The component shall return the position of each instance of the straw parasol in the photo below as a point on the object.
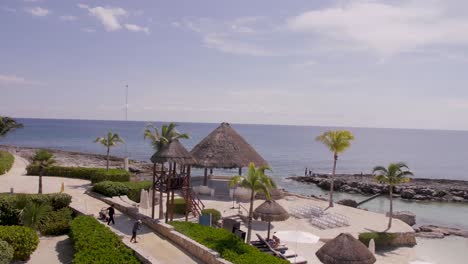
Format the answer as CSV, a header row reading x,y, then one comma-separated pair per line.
x,y
345,249
275,194
225,148
173,152
270,211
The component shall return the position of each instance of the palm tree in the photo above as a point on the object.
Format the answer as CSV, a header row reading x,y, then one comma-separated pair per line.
x,y
158,140
337,141
110,141
43,160
7,125
393,175
256,181
33,214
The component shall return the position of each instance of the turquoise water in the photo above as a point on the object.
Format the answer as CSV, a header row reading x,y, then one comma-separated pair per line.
x,y
289,150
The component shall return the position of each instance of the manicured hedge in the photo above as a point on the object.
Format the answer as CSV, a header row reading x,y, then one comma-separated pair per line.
x,y
180,206
23,239
6,252
92,174
382,240
9,214
95,243
227,244
57,222
6,161
215,214
131,189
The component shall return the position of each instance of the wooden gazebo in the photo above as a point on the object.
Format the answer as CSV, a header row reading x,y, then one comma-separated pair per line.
x,y
176,178
225,148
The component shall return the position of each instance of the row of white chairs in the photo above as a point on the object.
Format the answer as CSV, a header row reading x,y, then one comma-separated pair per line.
x,y
306,211
327,221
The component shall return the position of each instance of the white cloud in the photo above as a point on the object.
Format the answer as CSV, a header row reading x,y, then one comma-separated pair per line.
x,y
223,43
68,18
88,30
109,17
136,28
386,29
38,11
15,80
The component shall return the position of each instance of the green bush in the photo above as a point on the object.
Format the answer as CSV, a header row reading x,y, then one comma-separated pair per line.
x,y
92,174
179,206
95,243
6,161
9,203
382,240
225,243
23,239
131,189
57,223
215,214
6,252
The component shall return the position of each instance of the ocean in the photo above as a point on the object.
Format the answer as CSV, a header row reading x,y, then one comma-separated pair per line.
x,y
288,150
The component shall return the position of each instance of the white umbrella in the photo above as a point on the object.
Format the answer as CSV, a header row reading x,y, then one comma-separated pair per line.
x,y
297,236
144,201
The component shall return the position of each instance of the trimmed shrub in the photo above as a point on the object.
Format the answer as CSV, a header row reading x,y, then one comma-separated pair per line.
x,y
57,223
225,243
179,206
131,189
24,240
92,174
96,243
6,161
9,203
6,252
215,214
382,240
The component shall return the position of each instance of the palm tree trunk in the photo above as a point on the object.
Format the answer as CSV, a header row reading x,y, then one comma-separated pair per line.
x,y
40,180
108,151
332,183
249,223
161,185
390,214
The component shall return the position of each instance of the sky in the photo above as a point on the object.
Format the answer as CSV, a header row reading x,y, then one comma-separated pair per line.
x,y
362,63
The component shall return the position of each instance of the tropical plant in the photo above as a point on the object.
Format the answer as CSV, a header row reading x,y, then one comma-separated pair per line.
x,y
7,125
43,160
256,181
168,133
337,141
394,174
33,214
111,140
158,140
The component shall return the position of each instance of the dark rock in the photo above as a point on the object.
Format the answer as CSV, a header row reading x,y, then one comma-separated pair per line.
x,y
420,197
348,202
430,234
134,169
426,192
457,199
407,217
440,193
324,184
407,194
445,230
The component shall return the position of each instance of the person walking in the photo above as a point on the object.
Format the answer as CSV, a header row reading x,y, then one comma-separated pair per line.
x,y
136,227
111,211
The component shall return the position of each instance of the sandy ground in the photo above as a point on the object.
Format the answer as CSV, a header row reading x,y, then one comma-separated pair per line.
x,y
152,245
53,250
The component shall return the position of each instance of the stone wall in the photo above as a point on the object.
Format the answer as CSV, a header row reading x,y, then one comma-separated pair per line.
x,y
194,248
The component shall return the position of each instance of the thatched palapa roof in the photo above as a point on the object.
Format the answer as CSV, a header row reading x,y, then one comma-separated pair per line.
x,y
173,152
225,148
345,249
270,211
275,194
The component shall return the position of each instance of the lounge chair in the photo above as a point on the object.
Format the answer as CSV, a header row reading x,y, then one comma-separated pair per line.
x,y
286,254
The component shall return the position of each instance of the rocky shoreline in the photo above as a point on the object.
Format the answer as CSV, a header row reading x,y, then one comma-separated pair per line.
x,y
418,189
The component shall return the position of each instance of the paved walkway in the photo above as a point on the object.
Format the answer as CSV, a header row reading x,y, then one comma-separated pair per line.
x,y
150,243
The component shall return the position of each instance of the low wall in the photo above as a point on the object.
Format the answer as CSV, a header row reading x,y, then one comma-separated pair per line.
x,y
194,248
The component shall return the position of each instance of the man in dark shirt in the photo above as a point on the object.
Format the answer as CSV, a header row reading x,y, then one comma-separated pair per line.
x,y
136,227
111,215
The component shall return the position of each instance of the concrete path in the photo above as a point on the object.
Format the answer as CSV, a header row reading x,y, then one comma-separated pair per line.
x,y
149,243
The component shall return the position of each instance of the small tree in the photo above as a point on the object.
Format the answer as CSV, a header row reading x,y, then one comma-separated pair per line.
x,y
7,125
337,142
34,213
43,160
256,181
393,175
111,140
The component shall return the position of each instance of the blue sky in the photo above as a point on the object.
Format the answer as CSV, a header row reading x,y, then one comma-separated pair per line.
x,y
345,63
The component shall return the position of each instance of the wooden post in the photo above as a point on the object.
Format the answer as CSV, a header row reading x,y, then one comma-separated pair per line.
x,y
168,192
154,191
211,171
188,201
172,196
240,171
205,180
161,185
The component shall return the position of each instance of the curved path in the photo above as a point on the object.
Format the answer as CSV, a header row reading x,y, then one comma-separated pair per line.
x,y
150,244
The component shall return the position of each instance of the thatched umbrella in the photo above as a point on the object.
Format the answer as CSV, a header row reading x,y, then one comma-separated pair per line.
x,y
345,249
225,148
270,211
275,194
173,152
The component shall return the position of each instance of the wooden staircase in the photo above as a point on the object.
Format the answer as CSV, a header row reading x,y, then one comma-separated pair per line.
x,y
196,205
